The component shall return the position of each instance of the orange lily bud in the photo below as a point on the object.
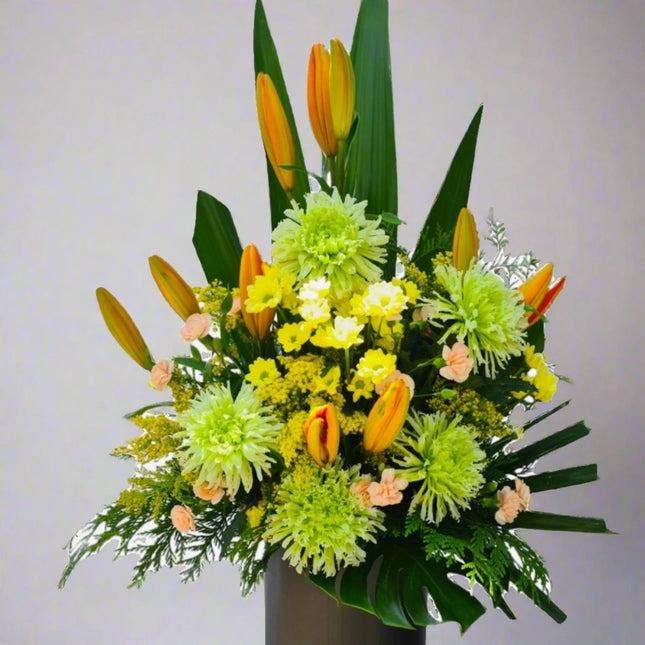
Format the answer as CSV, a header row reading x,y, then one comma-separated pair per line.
x,y
387,416
173,287
547,301
535,288
318,100
123,329
342,90
465,243
275,130
322,434
251,267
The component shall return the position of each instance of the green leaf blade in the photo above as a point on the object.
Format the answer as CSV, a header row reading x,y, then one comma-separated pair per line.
x,y
216,241
555,522
371,160
562,478
438,229
530,454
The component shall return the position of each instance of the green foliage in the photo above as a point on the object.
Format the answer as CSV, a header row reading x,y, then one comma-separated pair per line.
x,y
451,198
216,241
402,573
251,554
139,522
486,554
371,160
513,269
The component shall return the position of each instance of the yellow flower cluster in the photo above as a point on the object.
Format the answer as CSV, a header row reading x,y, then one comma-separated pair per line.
x,y
271,289
544,381
415,275
291,440
184,390
441,259
156,442
255,514
211,297
475,411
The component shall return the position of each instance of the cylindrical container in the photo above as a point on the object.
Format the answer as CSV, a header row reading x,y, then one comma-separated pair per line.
x,y
298,612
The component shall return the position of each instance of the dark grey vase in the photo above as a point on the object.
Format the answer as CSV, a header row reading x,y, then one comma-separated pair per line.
x,y
297,612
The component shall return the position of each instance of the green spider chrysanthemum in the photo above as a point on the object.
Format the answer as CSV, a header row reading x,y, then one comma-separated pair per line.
x,y
446,458
481,312
322,524
228,439
332,238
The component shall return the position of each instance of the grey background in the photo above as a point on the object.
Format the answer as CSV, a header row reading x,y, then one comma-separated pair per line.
x,y
114,113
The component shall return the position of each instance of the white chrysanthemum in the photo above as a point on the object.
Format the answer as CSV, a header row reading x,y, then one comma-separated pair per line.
x,y
331,238
228,439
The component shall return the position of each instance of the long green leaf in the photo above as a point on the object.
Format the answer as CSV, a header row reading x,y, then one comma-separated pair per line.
x,y
266,60
530,454
371,158
216,241
542,600
562,478
545,415
438,230
554,522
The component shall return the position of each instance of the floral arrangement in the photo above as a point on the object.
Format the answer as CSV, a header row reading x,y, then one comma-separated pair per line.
x,y
348,403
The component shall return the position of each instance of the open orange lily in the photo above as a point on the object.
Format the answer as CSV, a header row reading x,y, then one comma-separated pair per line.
x,y
538,295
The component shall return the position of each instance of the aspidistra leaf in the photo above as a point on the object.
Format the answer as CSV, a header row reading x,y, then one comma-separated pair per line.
x,y
216,241
371,158
438,229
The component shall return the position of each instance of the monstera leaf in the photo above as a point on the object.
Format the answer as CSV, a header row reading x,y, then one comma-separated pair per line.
x,y
401,588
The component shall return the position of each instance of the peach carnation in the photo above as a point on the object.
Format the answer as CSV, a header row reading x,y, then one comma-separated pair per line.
x,y
183,519
458,363
160,374
509,505
422,313
388,491
382,385
360,488
524,493
195,326
212,494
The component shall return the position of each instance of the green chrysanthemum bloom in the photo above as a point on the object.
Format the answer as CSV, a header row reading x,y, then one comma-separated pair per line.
x,y
332,238
446,458
227,438
481,312
322,524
